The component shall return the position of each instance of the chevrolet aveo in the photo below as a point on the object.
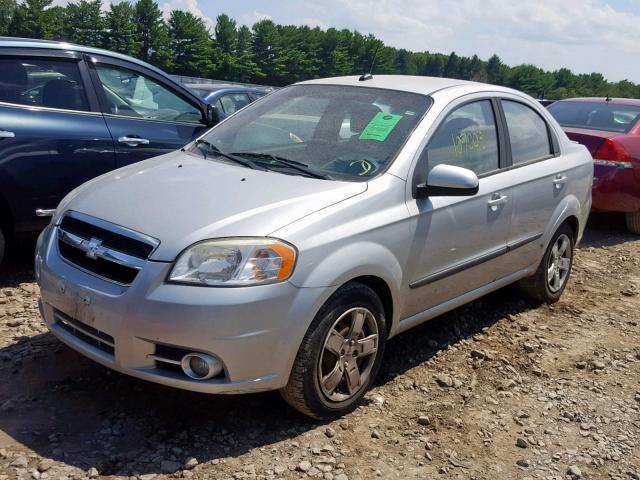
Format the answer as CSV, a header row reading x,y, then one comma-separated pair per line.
x,y
284,247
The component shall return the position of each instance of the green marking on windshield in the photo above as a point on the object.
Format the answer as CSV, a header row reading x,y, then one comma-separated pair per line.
x,y
380,127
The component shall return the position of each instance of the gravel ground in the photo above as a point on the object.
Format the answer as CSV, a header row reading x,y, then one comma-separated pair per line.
x,y
499,389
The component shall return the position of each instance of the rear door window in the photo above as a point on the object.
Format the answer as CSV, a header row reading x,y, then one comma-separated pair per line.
x,y
466,138
528,133
42,83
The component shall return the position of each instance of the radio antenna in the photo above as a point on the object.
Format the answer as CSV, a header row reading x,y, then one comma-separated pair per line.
x,y
368,76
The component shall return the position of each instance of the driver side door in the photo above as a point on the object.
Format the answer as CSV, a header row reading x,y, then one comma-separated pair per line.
x,y
460,242
146,115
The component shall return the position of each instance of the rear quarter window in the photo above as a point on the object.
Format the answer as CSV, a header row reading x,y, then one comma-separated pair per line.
x,y
596,115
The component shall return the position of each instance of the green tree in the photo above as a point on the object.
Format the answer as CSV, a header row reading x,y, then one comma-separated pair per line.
x,y
151,34
245,68
190,44
226,38
30,19
85,23
7,8
495,70
268,52
121,29
452,67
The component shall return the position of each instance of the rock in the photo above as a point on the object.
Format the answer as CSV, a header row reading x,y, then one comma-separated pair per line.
x,y
168,466
581,365
521,442
523,462
424,420
148,476
45,465
20,462
303,466
598,365
444,380
340,476
378,400
15,322
279,469
330,432
574,471
190,463
375,434
93,472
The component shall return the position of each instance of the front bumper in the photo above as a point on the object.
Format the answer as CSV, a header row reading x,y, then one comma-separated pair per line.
x,y
254,331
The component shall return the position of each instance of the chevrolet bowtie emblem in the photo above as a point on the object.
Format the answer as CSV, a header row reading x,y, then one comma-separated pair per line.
x,y
93,247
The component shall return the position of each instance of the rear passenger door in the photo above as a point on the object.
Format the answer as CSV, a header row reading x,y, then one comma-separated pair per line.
x,y
539,179
460,242
52,134
146,114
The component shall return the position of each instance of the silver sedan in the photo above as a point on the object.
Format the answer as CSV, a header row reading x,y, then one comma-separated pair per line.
x,y
283,248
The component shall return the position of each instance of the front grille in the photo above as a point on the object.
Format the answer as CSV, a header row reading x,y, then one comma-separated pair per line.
x,y
86,333
110,239
103,249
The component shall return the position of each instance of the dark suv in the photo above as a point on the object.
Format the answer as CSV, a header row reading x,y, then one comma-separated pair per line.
x,y
70,113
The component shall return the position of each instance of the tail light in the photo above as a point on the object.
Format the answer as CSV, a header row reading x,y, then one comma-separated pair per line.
x,y
612,154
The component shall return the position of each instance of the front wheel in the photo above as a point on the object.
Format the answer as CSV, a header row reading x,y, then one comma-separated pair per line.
x,y
633,222
552,276
340,355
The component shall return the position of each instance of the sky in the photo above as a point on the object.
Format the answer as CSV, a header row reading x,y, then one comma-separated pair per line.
x,y
585,36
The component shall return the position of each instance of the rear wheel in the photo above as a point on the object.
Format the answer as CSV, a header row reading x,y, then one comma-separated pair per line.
x,y
633,222
340,355
552,276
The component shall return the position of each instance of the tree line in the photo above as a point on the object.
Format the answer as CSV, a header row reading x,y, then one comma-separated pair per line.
x,y
269,53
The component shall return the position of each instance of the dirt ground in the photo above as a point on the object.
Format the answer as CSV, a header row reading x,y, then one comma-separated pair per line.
x,y
498,389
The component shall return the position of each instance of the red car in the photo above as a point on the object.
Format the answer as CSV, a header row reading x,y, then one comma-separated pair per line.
x,y
610,129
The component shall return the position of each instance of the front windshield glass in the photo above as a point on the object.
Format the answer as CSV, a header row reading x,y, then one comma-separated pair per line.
x,y
327,131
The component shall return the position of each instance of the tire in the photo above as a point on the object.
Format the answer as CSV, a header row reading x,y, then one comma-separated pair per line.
x,y
633,222
334,330
539,287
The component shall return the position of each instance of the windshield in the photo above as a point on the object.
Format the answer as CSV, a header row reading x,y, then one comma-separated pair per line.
x,y
337,132
596,116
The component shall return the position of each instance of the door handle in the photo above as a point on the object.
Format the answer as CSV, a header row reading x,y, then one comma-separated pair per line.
x,y
133,141
559,181
6,134
496,201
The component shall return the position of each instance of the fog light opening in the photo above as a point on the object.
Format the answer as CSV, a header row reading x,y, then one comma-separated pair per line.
x,y
200,366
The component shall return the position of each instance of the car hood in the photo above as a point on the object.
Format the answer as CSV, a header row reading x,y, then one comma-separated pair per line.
x,y
181,199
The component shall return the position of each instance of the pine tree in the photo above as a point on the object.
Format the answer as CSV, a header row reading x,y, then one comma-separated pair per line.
x,y
121,29
245,69
226,38
30,19
85,23
151,34
268,52
7,8
495,70
190,44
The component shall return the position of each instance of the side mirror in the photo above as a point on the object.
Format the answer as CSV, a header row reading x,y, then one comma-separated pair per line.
x,y
213,116
449,181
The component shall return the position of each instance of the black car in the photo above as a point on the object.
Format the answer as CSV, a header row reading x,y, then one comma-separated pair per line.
x,y
70,113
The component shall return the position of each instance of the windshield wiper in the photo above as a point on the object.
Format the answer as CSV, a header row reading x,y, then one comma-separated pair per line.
x,y
293,164
230,156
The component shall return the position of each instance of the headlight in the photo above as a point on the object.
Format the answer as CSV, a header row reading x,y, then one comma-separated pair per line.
x,y
235,262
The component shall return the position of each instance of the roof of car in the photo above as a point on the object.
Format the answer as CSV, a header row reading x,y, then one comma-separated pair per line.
x,y
15,42
407,83
614,101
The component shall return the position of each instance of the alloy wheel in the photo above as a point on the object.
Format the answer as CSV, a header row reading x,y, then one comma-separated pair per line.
x,y
559,263
348,354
